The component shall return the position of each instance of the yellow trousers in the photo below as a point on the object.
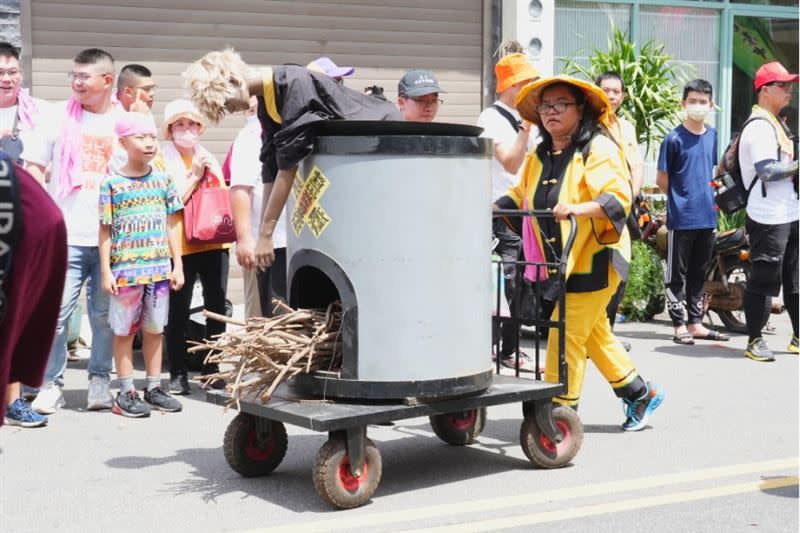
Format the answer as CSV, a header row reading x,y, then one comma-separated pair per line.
x,y
588,332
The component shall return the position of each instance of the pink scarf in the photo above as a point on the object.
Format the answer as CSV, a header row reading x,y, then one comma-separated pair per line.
x,y
70,156
532,249
26,108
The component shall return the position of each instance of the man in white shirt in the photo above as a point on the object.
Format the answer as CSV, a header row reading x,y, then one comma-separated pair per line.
x,y
768,162
513,138
77,145
247,203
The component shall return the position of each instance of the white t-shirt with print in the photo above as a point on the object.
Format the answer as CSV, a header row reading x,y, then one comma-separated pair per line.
x,y
758,143
80,207
246,172
497,127
26,134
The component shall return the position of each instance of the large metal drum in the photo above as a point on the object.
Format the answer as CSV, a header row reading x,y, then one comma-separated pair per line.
x,y
394,220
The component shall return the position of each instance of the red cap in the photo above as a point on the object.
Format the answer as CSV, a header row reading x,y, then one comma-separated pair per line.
x,y
770,72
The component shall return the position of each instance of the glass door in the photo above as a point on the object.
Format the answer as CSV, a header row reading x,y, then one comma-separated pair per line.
x,y
759,40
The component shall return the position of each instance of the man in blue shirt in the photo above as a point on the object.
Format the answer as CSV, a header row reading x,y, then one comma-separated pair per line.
x,y
685,167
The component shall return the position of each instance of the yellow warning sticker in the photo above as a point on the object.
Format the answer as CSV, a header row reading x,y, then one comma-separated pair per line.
x,y
307,210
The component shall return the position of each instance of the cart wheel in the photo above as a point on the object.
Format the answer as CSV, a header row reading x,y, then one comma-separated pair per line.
x,y
242,451
542,451
459,428
334,482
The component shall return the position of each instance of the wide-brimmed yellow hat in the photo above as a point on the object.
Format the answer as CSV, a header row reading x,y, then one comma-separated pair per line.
x,y
530,97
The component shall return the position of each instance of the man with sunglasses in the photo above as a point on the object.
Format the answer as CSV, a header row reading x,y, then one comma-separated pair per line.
x,y
418,95
77,144
768,154
135,88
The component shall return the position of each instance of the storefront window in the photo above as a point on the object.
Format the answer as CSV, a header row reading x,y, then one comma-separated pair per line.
x,y
690,35
767,2
582,26
757,41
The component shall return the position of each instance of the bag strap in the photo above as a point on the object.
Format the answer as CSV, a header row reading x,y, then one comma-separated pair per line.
x,y
508,116
10,219
739,144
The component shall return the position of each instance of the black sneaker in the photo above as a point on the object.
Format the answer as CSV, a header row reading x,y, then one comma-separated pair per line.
x,y
129,404
758,351
179,385
162,401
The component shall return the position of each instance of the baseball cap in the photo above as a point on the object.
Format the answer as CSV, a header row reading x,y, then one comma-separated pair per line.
x,y
773,71
329,68
418,82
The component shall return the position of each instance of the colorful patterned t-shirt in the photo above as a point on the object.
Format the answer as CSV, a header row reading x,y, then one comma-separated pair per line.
x,y
137,209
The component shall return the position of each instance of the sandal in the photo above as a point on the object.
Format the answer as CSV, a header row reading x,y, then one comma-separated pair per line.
x,y
713,336
684,338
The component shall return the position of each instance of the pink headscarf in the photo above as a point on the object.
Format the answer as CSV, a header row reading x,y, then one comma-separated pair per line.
x,y
70,155
135,124
26,108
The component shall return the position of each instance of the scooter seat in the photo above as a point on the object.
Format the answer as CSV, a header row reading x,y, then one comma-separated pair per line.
x,y
729,240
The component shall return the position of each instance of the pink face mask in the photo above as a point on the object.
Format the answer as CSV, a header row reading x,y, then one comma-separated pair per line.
x,y
185,139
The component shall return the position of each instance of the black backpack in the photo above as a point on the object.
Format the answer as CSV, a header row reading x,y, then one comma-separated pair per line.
x,y
10,221
730,194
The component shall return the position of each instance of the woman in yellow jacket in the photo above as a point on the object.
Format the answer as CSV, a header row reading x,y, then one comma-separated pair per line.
x,y
576,170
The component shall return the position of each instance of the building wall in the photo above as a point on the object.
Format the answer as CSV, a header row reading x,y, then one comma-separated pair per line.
x,y
9,22
381,38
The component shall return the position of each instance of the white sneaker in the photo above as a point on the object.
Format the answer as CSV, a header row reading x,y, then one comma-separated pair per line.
x,y
99,397
49,399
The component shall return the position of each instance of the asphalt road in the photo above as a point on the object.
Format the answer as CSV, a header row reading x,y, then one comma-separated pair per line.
x,y
720,455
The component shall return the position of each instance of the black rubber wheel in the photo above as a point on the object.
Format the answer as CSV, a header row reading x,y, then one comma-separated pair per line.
x,y
542,451
459,428
734,321
242,451
333,480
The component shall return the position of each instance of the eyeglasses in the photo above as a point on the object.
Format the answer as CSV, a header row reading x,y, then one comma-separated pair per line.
x,y
11,73
192,126
425,102
785,85
148,89
558,107
82,77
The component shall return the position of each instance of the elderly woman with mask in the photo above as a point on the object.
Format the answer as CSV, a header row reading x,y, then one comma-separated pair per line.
x,y
191,166
577,170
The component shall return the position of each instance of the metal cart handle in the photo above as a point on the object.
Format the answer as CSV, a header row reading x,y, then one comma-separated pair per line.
x,y
573,228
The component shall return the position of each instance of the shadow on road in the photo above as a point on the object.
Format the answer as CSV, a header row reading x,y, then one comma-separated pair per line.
x,y
411,462
792,491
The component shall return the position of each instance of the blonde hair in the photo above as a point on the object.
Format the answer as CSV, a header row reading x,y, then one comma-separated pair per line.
x,y
214,79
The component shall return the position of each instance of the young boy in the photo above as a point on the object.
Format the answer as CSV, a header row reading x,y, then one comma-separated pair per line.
x,y
138,234
685,168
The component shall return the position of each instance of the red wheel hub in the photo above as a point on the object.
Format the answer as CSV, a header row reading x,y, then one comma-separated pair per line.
x,y
464,420
550,446
349,482
254,452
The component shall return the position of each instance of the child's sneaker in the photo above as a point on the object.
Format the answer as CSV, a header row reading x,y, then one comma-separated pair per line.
x,y
129,404
794,346
758,351
20,414
638,411
162,401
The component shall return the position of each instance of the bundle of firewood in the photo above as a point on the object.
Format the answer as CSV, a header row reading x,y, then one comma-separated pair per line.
x,y
255,358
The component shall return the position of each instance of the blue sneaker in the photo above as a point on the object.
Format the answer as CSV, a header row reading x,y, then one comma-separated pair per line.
x,y
638,411
20,414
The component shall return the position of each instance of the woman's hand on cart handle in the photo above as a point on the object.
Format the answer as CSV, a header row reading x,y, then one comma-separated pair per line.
x,y
562,212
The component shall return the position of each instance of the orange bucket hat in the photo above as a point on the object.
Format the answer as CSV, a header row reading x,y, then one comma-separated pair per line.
x,y
512,69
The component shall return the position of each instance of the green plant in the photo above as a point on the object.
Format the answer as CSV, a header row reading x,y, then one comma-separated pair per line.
x,y
644,296
652,80
727,222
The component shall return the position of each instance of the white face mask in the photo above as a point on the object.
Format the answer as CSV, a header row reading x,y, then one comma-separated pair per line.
x,y
697,111
185,139
252,119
